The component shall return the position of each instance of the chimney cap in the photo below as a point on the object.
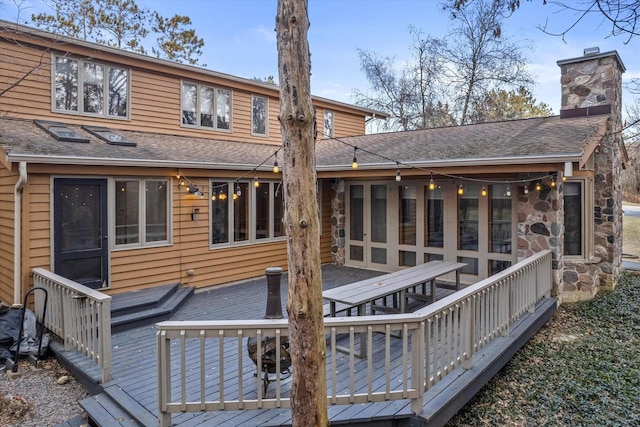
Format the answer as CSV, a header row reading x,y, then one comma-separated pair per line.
x,y
591,51
592,57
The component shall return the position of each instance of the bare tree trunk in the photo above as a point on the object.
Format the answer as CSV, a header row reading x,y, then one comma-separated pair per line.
x,y
307,342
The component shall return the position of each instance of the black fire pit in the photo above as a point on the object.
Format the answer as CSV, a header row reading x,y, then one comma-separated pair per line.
x,y
268,364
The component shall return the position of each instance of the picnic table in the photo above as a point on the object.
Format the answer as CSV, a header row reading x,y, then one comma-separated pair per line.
x,y
396,284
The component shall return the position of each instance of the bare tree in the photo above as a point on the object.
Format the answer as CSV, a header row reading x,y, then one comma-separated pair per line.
x,y
304,306
413,96
480,57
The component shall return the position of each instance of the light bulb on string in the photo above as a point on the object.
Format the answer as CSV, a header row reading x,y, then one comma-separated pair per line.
x,y
354,162
238,191
276,169
398,177
538,186
553,181
256,183
460,190
484,191
526,189
508,193
432,185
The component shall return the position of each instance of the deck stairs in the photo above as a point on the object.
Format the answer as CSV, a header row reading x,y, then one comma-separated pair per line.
x,y
147,306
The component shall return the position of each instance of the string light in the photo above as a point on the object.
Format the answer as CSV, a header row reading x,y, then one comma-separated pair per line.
x,y
508,193
484,191
538,186
432,185
238,191
564,177
460,190
398,177
256,183
553,181
354,162
276,169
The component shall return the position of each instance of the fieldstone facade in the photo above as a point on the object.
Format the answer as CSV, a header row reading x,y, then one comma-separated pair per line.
x,y
593,83
337,222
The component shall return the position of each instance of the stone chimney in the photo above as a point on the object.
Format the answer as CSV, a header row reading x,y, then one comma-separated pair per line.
x,y
591,84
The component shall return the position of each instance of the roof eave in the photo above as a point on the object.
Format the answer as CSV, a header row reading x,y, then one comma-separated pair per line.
x,y
494,161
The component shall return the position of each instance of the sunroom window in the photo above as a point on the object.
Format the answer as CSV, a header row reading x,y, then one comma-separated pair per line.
x,y
243,213
141,212
90,88
206,106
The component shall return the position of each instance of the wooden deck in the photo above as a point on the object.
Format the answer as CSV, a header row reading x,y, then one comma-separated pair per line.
x,y
134,384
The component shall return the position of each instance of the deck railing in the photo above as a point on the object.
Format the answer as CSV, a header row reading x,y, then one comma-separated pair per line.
x,y
204,365
79,315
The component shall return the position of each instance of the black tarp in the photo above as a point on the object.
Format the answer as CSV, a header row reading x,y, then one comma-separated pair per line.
x,y
10,329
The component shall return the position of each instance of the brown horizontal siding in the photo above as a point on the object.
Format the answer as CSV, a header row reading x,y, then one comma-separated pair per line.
x,y
7,183
325,237
39,210
348,124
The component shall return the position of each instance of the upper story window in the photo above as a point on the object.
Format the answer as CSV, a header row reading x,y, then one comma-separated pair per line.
x,y
259,115
328,124
206,106
90,88
141,212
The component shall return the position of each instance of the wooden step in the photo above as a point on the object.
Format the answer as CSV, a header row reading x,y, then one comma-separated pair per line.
x,y
134,301
131,406
151,315
105,412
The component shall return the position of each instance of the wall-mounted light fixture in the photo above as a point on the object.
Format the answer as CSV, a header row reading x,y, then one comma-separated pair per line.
x,y
195,214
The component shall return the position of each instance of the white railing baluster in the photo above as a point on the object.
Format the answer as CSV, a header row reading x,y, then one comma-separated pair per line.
x,y
435,341
80,316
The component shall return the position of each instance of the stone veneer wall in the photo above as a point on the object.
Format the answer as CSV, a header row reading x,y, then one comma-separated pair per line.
x,y
541,225
337,222
589,82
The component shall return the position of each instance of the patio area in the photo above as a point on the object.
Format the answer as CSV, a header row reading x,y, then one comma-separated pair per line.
x,y
131,397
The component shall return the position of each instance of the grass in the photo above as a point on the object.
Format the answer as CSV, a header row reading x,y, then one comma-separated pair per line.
x,y
631,236
582,368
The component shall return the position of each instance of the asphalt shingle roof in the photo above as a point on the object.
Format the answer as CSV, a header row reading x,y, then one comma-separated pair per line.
x,y
530,138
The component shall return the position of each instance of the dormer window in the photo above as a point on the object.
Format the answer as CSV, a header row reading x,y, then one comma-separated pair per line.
x,y
206,106
89,88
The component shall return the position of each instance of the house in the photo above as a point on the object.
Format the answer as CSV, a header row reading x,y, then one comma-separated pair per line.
x,y
122,172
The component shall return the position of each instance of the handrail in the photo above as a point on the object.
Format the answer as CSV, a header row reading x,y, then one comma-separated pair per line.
x,y
79,315
203,365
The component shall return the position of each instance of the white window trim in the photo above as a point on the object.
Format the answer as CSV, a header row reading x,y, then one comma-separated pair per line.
x,y
215,105
266,117
142,243
80,88
252,240
333,124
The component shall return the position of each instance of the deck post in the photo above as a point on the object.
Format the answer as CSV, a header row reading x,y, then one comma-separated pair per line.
x,y
164,379
418,367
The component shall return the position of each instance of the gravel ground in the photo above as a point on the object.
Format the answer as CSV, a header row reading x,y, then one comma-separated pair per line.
x,y
36,399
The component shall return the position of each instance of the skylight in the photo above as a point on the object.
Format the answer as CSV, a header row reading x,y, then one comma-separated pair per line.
x,y
60,131
107,135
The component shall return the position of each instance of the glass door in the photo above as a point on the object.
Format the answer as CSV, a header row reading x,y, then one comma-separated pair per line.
x,y
366,244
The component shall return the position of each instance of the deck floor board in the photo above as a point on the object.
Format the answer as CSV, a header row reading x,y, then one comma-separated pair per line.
x,y
134,358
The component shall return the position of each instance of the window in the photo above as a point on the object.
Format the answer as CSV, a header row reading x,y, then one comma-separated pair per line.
x,y
407,215
141,212
434,199
206,107
573,230
259,114
90,88
243,213
468,219
328,124
499,219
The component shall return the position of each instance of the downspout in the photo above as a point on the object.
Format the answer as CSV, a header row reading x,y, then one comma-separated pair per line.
x,y
17,235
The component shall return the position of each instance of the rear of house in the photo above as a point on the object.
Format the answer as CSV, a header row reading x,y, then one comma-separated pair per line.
x,y
122,172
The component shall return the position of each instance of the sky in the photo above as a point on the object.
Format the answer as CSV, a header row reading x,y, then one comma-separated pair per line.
x,y
240,38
